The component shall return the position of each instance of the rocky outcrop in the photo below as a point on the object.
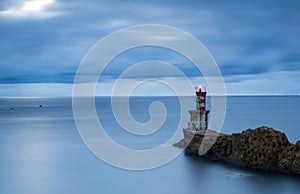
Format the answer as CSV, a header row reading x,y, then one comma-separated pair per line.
x,y
263,148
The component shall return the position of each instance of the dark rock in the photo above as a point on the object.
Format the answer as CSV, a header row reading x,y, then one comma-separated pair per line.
x,y
263,148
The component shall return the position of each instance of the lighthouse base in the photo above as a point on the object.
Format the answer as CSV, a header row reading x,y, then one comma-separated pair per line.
x,y
191,135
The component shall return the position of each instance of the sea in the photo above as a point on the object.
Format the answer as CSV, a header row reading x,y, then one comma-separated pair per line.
x,y
42,152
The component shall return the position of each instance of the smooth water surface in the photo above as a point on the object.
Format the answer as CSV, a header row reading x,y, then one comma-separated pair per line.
x,y
42,152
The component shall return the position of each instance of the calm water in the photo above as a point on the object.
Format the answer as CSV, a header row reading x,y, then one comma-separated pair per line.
x,y
42,152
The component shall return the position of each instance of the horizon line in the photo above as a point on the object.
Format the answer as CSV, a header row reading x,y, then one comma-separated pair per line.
x,y
229,95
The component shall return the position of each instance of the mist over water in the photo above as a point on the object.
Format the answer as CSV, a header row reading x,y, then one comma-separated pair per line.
x,y
42,152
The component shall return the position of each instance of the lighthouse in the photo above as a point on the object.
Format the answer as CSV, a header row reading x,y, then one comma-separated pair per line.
x,y
199,117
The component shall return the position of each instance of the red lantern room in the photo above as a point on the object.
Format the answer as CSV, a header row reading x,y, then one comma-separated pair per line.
x,y
201,98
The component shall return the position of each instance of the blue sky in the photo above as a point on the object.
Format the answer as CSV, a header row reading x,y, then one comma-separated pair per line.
x,y
255,43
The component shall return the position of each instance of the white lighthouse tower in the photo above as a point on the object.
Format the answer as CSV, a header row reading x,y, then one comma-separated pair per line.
x,y
199,118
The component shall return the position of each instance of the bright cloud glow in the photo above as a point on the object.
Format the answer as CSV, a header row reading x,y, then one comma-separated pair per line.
x,y
31,8
36,5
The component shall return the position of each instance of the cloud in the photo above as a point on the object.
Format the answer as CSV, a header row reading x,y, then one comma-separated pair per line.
x,y
272,83
35,89
32,9
247,39
269,83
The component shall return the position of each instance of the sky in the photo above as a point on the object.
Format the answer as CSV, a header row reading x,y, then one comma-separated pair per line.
x,y
255,43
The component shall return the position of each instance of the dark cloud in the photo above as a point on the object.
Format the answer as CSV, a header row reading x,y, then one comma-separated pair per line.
x,y
245,37
238,69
